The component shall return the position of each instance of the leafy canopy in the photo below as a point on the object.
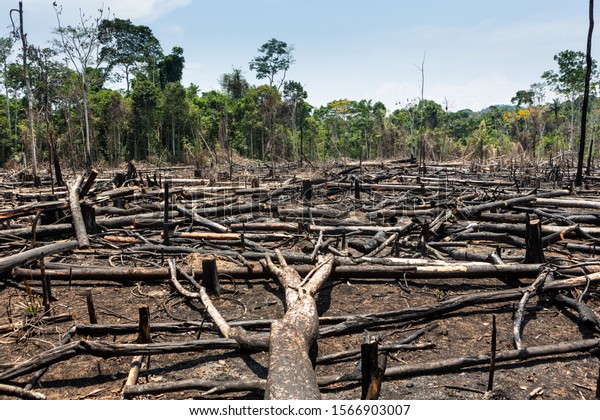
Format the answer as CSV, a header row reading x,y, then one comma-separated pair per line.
x,y
276,57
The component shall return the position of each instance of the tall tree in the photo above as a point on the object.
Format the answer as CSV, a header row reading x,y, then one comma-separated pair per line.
x,y
47,75
24,54
80,44
586,98
171,67
145,98
276,57
294,96
127,46
569,82
234,84
175,110
6,45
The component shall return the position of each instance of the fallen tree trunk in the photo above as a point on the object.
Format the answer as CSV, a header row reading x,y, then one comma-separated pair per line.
x,y
396,372
105,349
12,261
291,373
360,322
256,271
210,386
455,364
15,391
202,221
257,342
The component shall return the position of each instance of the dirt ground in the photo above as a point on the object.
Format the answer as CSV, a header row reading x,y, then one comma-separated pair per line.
x,y
465,332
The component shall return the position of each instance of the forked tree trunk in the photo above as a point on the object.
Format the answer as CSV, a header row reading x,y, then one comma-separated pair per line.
x,y
291,373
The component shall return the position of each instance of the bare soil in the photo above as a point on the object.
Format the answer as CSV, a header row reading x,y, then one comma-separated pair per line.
x,y
466,332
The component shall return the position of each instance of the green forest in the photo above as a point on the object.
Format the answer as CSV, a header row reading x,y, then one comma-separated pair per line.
x,y
59,102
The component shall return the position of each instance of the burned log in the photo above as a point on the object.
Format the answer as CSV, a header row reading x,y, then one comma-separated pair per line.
x,y
26,257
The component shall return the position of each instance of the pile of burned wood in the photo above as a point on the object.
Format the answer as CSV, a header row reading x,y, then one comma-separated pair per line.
x,y
383,222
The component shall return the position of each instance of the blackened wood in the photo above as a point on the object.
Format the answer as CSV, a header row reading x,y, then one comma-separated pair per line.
x,y
490,385
372,375
213,386
361,322
87,185
109,349
38,375
46,287
166,230
308,212
234,209
144,324
89,299
210,277
367,271
28,209
589,64
598,385
458,363
50,216
54,157
534,253
307,190
357,189
88,213
587,315
370,245
469,211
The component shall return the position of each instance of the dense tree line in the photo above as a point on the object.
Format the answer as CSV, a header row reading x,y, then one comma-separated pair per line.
x,y
77,115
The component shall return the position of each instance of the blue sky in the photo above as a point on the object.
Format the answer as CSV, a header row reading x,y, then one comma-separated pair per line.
x,y
477,53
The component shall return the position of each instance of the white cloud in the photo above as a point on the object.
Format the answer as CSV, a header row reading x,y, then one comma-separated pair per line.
x,y
139,11
490,89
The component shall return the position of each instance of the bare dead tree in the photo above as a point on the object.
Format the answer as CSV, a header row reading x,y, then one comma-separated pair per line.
x,y
586,98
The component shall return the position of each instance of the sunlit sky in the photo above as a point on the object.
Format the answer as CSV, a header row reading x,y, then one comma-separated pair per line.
x,y
476,53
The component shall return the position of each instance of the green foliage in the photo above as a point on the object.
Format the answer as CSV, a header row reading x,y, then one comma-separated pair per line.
x,y
157,119
171,67
276,58
127,46
570,78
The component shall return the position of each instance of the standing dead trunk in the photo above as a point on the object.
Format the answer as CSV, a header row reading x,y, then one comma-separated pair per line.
x,y
76,215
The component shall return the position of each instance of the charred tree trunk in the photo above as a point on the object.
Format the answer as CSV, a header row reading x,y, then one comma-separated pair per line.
x,y
586,97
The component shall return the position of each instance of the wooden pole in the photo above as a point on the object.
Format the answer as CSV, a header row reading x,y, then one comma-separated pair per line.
x,y
371,380
166,239
307,190
91,308
598,386
490,386
144,324
210,278
46,291
87,185
535,249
